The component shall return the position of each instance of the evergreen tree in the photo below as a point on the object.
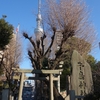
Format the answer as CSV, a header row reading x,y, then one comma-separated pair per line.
x,y
6,31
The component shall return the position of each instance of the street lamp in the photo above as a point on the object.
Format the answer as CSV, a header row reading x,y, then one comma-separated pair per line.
x,y
61,64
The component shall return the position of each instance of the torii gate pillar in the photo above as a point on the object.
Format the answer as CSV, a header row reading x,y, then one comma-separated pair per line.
x,y
21,87
51,87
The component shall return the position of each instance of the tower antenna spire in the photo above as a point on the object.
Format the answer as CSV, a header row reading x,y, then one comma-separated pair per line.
x,y
38,30
39,6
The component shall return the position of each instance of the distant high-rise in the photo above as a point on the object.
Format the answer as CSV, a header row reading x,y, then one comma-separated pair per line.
x,y
39,30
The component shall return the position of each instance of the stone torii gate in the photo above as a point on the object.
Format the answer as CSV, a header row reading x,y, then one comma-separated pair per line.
x,y
51,78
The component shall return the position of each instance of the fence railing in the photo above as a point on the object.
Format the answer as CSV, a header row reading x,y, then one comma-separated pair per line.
x,y
72,96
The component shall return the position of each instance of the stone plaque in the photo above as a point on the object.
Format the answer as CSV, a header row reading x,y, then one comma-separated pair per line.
x,y
81,78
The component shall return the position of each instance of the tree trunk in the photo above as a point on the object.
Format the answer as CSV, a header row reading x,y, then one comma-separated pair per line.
x,y
57,95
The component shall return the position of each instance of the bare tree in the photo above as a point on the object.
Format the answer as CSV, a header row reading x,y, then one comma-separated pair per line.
x,y
10,58
70,17
78,44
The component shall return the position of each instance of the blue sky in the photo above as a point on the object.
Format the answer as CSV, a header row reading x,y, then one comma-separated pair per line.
x,y
94,7
23,12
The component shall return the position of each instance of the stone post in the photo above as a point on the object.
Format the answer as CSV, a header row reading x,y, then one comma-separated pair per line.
x,y
72,94
58,83
5,95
